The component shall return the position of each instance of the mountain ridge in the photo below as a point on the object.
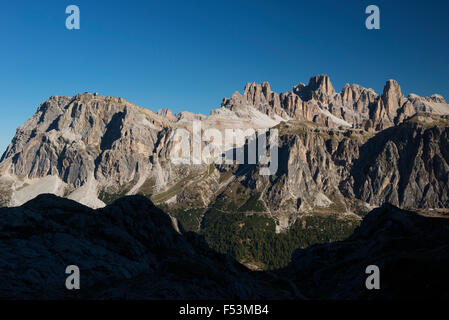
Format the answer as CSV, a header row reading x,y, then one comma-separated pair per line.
x,y
128,250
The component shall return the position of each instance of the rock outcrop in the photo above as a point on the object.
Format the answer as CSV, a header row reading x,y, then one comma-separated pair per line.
x,y
409,249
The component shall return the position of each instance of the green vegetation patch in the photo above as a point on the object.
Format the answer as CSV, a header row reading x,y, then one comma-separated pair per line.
x,y
252,238
190,219
253,204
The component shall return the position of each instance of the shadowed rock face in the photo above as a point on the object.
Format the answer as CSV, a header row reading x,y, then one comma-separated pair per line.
x,y
353,171
132,250
411,251
407,165
129,249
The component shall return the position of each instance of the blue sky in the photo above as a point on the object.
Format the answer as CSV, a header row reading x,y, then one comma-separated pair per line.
x,y
190,54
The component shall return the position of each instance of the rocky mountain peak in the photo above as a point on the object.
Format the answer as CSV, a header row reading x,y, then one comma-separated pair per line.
x,y
391,108
392,95
437,98
257,94
392,85
319,88
167,114
354,93
317,101
164,112
321,83
266,89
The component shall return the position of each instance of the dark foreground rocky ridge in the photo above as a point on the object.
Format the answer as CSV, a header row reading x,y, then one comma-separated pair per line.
x,y
133,250
410,249
129,250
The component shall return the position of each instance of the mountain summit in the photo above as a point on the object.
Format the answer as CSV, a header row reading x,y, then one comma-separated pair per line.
x,y
354,106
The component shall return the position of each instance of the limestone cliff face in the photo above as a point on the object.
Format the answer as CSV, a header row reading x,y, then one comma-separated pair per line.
x,y
72,138
351,171
407,165
88,143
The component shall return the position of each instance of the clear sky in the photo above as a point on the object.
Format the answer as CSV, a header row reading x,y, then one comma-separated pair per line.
x,y
190,54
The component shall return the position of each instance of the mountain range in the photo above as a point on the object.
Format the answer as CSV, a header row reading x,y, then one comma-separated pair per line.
x,y
341,154
354,143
